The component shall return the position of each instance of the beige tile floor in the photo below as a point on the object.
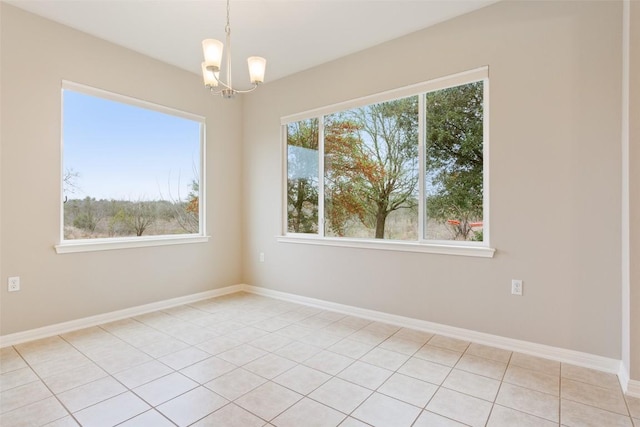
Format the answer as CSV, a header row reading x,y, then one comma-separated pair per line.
x,y
245,360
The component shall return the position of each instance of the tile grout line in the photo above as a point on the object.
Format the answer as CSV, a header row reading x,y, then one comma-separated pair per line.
x,y
108,375
273,352
111,375
495,399
267,379
41,379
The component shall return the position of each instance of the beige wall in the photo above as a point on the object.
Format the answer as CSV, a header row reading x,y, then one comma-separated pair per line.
x,y
555,103
555,179
634,187
36,55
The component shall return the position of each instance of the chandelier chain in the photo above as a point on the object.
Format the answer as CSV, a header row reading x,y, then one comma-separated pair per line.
x,y
227,28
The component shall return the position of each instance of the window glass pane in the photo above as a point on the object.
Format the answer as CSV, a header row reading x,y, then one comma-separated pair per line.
x,y
454,161
371,171
302,176
128,171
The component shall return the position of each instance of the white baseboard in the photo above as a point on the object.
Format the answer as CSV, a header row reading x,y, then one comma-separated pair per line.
x,y
587,360
633,388
62,328
623,377
548,352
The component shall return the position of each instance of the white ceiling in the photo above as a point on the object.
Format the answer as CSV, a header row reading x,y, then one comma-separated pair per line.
x,y
292,34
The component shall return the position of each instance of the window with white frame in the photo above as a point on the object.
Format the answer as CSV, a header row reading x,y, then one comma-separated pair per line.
x,y
404,166
130,169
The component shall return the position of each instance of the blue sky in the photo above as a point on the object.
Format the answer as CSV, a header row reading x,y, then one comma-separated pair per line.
x,y
125,152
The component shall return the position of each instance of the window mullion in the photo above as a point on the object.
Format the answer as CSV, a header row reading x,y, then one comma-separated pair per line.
x,y
202,197
285,177
321,174
485,161
422,123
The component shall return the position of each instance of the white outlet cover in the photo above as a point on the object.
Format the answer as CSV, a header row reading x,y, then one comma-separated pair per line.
x,y
516,287
13,284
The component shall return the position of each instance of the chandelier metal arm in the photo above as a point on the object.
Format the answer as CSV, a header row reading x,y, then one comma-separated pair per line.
x,y
228,91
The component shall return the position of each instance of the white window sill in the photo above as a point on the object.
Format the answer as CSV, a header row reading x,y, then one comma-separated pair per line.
x,y
394,245
90,245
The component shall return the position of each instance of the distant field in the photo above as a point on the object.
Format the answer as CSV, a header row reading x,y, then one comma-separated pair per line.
x,y
93,219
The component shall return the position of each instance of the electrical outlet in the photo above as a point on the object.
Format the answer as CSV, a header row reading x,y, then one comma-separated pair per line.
x,y
261,256
516,287
13,284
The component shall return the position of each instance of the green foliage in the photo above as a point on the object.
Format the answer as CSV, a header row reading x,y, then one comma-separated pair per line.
x,y
86,222
86,219
454,159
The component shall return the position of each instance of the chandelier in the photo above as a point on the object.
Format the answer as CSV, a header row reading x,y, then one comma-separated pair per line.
x,y
212,63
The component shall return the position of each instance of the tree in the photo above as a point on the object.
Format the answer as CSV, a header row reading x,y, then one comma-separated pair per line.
x,y
454,158
116,225
193,203
302,176
86,219
69,182
136,216
371,162
187,213
345,162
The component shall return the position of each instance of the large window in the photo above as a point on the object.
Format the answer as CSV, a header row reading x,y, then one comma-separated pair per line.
x,y
130,169
409,166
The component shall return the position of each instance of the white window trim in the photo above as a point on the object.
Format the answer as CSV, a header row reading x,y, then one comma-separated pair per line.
x,y
91,245
439,83
473,249
112,96
433,247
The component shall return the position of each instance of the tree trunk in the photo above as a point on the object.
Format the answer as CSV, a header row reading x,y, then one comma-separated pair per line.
x,y
298,207
381,219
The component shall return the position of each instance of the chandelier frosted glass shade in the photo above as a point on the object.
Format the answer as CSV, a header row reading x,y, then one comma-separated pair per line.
x,y
212,50
257,66
210,77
